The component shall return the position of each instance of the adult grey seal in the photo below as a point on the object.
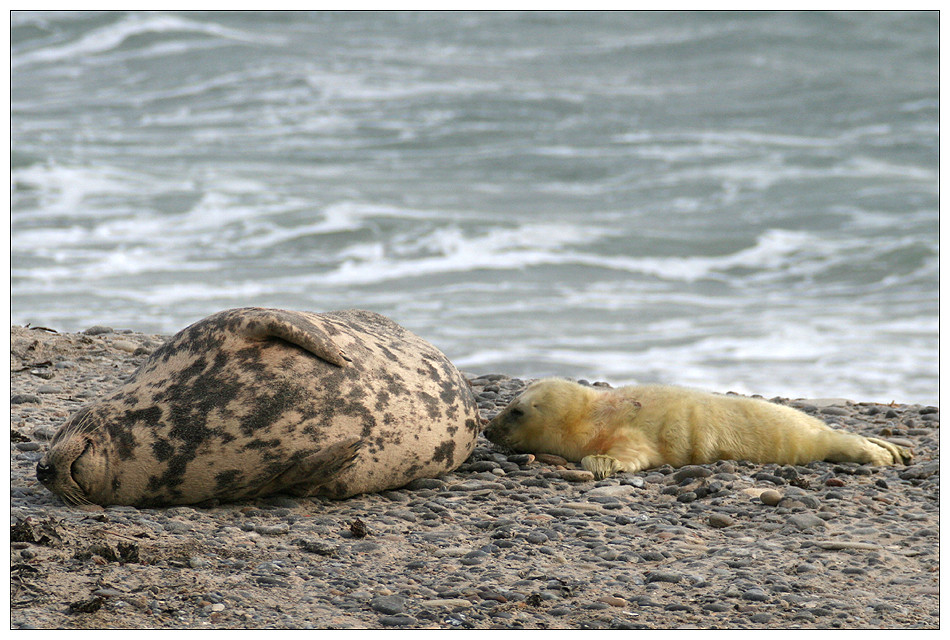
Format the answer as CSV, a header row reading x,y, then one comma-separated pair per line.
x,y
249,402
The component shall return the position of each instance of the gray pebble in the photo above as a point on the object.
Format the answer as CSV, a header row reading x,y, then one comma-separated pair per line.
x,y
663,576
691,471
473,558
272,530
633,481
425,483
177,526
835,411
24,398
755,594
920,470
391,604
720,520
611,491
97,330
805,521
483,465
269,580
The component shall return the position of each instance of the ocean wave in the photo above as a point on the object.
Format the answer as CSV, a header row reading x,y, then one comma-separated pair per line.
x,y
113,36
62,190
451,250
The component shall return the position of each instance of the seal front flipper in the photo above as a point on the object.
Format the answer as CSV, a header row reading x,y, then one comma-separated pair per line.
x,y
308,474
601,466
295,328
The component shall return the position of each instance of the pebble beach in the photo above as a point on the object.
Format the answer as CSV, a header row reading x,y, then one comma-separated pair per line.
x,y
506,541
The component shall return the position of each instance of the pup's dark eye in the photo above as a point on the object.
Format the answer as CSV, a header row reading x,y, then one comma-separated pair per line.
x,y
517,413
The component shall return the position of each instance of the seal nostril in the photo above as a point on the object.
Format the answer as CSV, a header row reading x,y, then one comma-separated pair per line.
x,y
44,472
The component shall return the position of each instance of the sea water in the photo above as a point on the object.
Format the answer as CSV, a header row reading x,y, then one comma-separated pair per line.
x,y
737,201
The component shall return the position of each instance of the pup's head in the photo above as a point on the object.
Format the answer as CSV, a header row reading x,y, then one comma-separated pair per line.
x,y
548,417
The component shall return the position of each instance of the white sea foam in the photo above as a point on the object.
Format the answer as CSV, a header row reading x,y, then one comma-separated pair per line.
x,y
64,189
450,250
111,36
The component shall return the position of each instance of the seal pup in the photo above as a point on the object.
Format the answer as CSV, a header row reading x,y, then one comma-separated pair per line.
x,y
640,427
249,402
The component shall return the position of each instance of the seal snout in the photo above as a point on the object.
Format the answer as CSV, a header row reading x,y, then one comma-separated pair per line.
x,y
45,472
498,430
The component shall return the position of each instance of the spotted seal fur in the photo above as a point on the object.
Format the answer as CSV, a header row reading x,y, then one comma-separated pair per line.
x,y
640,427
249,402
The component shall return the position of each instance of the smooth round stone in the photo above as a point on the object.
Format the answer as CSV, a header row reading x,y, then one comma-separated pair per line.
x,y
452,603
401,620
388,604
663,576
25,398
770,497
691,471
611,491
756,595
97,329
125,345
576,475
805,521
720,520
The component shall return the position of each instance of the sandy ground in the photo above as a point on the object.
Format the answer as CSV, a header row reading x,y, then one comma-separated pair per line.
x,y
503,542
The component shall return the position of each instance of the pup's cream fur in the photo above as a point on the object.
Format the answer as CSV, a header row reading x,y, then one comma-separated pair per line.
x,y
634,428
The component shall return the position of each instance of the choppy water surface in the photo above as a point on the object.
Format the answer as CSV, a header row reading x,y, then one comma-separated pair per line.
x,y
731,201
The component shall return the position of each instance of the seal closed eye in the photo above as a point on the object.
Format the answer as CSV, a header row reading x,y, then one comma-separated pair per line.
x,y
75,472
249,402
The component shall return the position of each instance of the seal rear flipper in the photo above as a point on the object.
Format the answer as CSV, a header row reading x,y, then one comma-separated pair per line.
x,y
306,475
295,328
